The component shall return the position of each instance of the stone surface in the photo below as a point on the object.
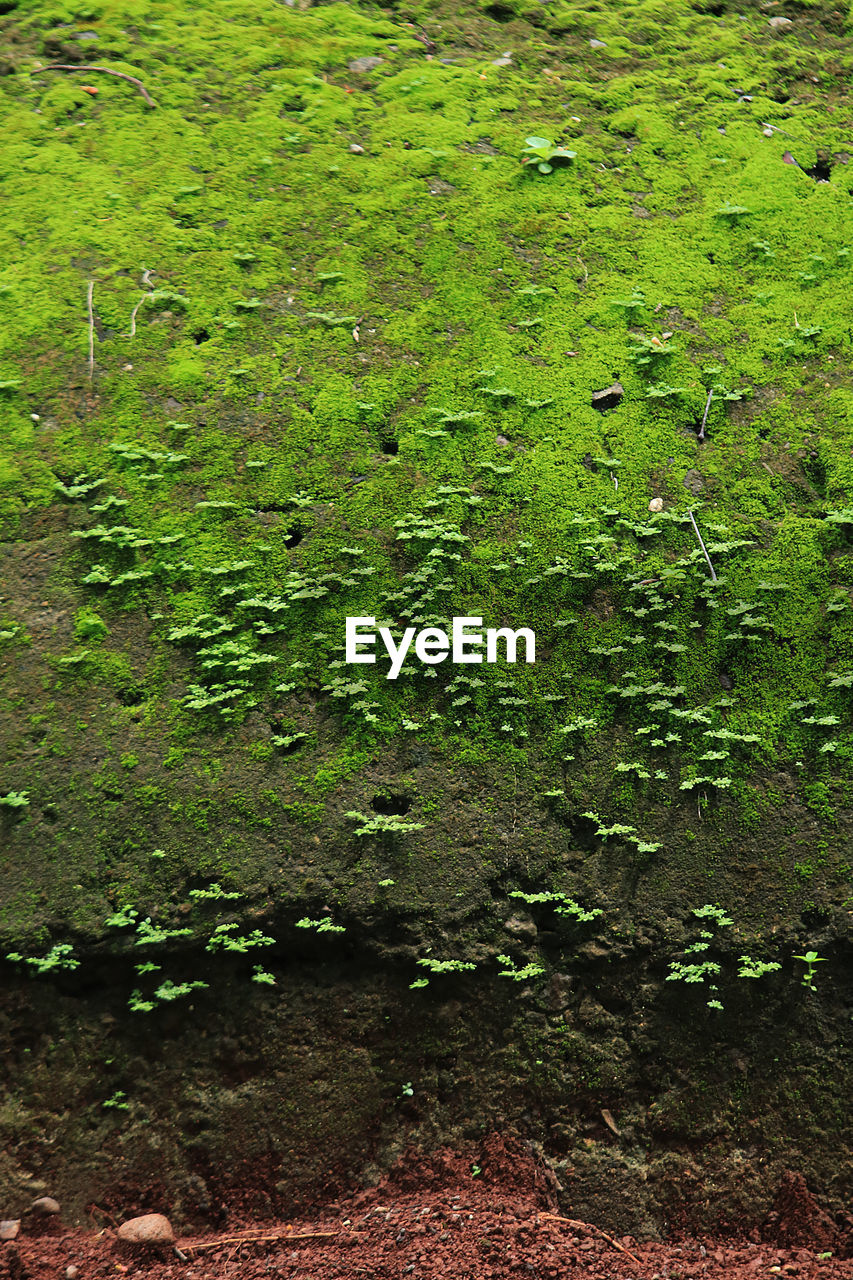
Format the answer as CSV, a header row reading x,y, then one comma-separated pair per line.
x,y
780,24
693,481
608,397
656,504
364,64
9,1228
150,1229
45,1206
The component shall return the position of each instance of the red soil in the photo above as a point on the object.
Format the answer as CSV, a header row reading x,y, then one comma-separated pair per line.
x,y
431,1219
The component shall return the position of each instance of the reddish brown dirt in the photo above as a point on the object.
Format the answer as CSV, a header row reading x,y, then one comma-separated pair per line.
x,y
437,1218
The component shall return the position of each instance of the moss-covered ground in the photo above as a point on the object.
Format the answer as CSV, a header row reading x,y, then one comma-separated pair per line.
x,y
302,338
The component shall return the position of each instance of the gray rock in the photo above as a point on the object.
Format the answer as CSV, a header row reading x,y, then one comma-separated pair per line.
x,y
149,1229
356,149
693,482
364,64
521,927
559,992
505,61
598,44
779,24
608,397
45,1206
9,1228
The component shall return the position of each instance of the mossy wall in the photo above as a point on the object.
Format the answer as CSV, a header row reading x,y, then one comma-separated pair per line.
x,y
341,360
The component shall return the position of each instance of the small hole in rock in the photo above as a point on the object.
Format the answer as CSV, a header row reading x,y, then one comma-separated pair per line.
x,y
821,170
391,805
131,695
499,12
391,447
293,536
200,336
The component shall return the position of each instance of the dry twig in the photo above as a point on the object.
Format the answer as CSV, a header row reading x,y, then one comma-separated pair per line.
x,y
188,1247
107,71
588,1226
702,545
89,293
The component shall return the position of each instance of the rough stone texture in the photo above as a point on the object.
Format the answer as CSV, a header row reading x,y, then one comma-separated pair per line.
x,y
148,1229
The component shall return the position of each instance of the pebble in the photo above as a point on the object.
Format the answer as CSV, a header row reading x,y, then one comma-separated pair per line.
x,y
598,44
150,1228
45,1206
608,397
364,64
9,1228
504,61
780,24
656,504
72,1272
356,149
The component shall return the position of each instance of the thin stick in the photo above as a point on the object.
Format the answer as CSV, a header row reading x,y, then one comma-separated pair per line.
x,y
280,1235
702,545
146,284
107,71
701,435
589,1226
89,292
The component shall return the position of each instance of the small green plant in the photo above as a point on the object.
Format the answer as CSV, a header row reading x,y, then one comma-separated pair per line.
x,y
15,800
263,976
380,824
510,970
224,938
60,956
811,959
542,152
324,925
116,1102
214,893
750,968
732,213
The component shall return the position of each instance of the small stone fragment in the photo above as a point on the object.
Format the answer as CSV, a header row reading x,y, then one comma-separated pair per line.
x,y
150,1228
45,1206
608,397
72,1272
356,149
780,24
504,61
364,64
521,927
598,44
768,132
9,1228
656,504
693,481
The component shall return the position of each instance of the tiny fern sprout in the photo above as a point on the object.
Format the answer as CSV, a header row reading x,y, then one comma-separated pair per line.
x,y
324,925
750,968
518,975
381,824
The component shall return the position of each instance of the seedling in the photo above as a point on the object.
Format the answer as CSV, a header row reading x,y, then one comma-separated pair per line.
x,y
811,959
541,152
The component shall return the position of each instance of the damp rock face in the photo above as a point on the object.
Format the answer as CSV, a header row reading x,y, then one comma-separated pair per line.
x,y
149,1229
